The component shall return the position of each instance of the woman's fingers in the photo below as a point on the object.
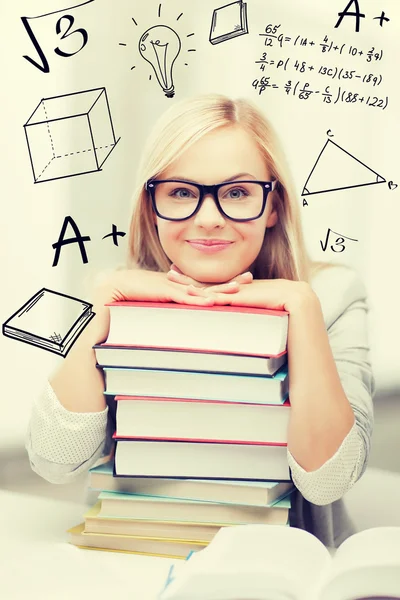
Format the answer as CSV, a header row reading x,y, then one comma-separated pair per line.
x,y
180,293
217,298
194,290
173,267
185,297
183,279
226,288
244,277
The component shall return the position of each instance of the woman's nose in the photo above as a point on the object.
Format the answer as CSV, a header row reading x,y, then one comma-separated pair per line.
x,y
209,213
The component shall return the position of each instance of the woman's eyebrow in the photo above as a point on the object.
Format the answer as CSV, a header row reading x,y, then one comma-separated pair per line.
x,y
232,178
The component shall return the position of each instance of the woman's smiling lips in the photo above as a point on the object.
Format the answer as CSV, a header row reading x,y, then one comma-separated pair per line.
x,y
209,245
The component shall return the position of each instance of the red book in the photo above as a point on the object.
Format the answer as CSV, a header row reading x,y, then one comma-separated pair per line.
x,y
232,329
201,420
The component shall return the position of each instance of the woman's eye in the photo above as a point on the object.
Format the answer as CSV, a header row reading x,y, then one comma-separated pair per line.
x,y
236,193
182,193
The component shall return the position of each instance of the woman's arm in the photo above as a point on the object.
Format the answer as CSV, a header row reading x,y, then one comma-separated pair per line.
x,y
321,414
62,444
78,383
348,338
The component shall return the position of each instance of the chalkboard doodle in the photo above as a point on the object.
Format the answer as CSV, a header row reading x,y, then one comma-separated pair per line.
x,y
79,239
50,320
353,11
228,21
318,67
336,169
68,38
160,46
69,135
339,243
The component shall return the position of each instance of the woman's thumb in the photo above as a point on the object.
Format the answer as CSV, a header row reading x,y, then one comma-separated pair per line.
x,y
175,268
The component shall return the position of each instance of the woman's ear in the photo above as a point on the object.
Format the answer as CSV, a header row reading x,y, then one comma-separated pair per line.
x,y
272,219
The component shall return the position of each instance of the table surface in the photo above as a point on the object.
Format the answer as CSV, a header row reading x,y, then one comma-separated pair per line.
x,y
36,560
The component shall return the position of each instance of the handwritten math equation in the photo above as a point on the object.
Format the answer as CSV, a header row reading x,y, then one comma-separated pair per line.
x,y
318,67
64,29
303,91
337,241
333,72
273,37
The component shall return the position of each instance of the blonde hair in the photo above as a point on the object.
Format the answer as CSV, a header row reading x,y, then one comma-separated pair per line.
x,y
283,253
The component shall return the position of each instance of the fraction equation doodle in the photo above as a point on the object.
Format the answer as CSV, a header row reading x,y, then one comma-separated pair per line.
x,y
271,34
304,67
355,69
303,91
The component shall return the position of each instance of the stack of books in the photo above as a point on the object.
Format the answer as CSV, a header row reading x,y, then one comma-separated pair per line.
x,y
201,427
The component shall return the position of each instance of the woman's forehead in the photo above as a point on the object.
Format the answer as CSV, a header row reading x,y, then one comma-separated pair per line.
x,y
218,155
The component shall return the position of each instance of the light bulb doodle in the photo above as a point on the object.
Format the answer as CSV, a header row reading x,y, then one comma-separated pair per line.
x,y
160,46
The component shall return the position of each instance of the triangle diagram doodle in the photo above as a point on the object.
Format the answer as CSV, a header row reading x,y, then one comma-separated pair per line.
x,y
336,169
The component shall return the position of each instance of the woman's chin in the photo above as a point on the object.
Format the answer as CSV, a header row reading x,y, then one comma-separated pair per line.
x,y
211,278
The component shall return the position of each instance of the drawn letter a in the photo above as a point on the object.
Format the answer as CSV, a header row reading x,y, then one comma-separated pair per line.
x,y
346,13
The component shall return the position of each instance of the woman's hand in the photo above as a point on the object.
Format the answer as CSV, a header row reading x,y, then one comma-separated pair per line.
x,y
228,287
277,294
138,285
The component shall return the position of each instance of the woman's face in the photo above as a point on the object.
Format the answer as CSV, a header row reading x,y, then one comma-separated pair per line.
x,y
226,154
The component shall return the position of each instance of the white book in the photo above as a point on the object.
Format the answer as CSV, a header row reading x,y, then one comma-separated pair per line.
x,y
197,460
263,562
132,506
201,420
256,493
109,355
224,387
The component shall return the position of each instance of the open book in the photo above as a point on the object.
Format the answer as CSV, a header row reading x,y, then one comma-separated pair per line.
x,y
268,562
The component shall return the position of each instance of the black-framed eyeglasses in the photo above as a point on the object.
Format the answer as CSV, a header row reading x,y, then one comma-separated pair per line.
x,y
178,200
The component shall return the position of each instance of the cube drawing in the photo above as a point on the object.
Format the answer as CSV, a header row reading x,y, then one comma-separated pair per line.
x,y
70,135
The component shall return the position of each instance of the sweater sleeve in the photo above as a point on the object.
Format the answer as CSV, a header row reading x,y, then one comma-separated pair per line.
x,y
348,337
60,443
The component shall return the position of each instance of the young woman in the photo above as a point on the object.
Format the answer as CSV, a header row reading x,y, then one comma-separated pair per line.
x,y
216,221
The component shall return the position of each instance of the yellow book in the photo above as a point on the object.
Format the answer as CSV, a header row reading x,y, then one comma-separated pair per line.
x,y
153,546
182,530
